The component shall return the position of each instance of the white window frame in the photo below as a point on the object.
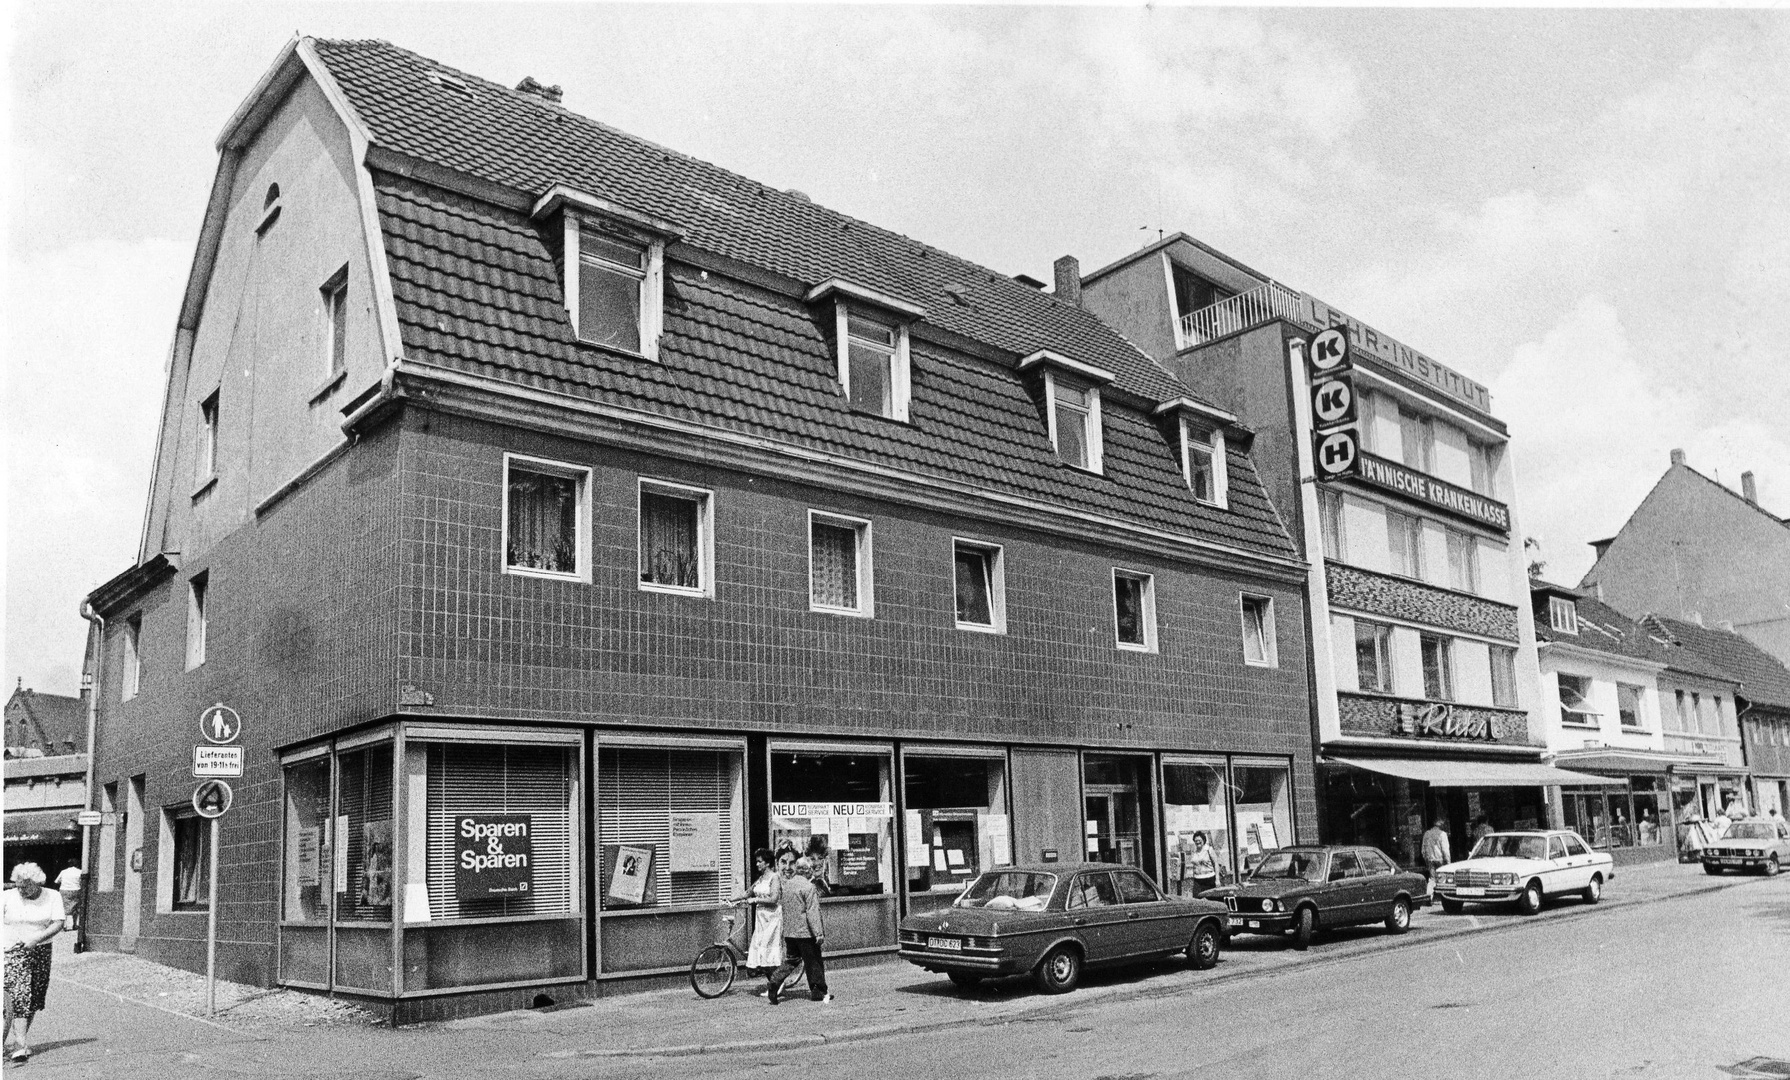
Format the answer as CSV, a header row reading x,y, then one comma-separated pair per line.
x,y
652,279
1146,614
1468,545
1509,654
1563,615
866,608
130,674
1596,718
705,536
1640,693
900,363
1269,639
335,310
167,857
1383,656
1424,427
578,474
995,555
1413,529
1331,531
1213,449
198,617
205,459
1444,666
1094,440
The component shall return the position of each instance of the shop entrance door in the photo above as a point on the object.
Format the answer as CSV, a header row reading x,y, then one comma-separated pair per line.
x,y
1113,835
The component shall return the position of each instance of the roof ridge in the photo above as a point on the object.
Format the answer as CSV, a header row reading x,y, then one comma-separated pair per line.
x,y
1773,518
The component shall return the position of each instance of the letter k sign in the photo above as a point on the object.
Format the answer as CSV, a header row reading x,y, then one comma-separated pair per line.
x,y
1329,350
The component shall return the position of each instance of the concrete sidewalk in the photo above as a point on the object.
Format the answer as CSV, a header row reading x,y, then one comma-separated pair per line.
x,y
115,1015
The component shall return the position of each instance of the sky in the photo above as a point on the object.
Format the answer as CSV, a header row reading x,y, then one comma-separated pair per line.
x,y
1586,211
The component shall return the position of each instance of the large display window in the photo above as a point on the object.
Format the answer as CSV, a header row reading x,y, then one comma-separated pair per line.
x,y
834,803
1615,818
1196,824
955,822
1262,814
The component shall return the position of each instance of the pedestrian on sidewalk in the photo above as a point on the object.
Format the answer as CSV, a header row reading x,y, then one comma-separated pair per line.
x,y
68,883
765,954
1203,865
803,931
1435,849
30,915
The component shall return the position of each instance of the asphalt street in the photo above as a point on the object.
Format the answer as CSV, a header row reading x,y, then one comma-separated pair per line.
x,y
1689,986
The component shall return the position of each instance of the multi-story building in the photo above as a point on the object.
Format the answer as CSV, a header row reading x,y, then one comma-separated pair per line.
x,y
1398,480
1695,550
564,518
46,778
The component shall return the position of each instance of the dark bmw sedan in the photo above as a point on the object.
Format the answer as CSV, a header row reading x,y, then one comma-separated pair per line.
x,y
1052,920
1307,889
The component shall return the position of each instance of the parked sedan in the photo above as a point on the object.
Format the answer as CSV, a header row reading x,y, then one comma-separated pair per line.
x,y
1305,889
1052,920
1524,868
1757,844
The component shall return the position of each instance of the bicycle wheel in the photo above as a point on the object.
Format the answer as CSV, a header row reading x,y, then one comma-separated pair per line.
x,y
796,978
711,973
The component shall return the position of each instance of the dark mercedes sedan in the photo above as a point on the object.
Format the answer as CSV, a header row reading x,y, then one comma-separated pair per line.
x,y
1052,920
1307,889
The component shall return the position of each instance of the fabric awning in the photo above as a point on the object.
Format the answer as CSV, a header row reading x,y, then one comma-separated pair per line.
x,y
1638,762
42,826
1454,773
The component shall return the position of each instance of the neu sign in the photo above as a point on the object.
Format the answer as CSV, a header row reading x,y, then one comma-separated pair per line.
x,y
1440,719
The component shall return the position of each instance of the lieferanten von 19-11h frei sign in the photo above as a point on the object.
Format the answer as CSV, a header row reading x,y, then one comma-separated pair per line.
x,y
493,855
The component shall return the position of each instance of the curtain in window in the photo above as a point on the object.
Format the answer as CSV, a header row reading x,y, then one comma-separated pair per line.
x,y
543,524
192,862
1199,470
834,551
1436,680
669,554
1072,426
870,378
1504,677
1370,657
1128,607
972,588
1255,636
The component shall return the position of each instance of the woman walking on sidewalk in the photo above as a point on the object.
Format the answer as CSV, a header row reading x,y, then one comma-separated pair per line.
x,y
32,916
765,954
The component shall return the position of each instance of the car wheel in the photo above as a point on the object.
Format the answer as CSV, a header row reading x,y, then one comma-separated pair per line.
x,y
1400,919
1452,907
1059,971
1202,951
964,980
1712,871
1771,866
1529,903
1305,927
1594,889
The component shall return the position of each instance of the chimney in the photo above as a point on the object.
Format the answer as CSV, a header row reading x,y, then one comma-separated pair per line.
x,y
1069,280
1748,489
1678,457
531,85
1727,624
1697,617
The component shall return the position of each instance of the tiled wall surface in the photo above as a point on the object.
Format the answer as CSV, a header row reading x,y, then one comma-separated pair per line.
x,y
1380,594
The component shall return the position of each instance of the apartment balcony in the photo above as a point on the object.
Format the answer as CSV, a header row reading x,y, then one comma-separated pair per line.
x,y
1260,305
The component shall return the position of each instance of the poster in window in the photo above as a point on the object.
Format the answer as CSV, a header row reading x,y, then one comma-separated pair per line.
x,y
307,854
859,865
376,863
339,836
996,839
629,872
695,842
493,855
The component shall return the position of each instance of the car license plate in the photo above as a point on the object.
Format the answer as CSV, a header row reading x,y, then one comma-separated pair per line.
x,y
950,944
1472,890
1254,925
1732,862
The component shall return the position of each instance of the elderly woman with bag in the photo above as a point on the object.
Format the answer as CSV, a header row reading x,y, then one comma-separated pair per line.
x,y
33,915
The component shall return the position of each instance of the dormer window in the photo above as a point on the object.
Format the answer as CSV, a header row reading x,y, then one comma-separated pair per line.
x,y
870,331
1203,464
614,266
1563,615
1072,391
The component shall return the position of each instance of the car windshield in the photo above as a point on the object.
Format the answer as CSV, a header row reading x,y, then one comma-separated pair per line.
x,y
1751,830
1009,890
1502,846
1293,865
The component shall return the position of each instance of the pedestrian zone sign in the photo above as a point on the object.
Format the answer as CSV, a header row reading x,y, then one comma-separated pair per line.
x,y
220,724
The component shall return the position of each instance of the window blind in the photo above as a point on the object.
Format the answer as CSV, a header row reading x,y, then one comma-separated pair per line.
x,y
488,779
638,788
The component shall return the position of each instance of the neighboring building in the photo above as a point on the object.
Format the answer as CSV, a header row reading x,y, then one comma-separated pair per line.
x,y
1425,680
598,515
1695,550
1762,712
1611,687
46,778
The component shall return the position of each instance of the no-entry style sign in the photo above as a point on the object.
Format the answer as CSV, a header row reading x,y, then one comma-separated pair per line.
x,y
212,798
220,724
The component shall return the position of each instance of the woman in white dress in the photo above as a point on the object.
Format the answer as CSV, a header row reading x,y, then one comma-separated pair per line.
x,y
765,954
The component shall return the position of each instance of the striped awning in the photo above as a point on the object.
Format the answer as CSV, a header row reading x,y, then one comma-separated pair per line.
x,y
42,826
1448,772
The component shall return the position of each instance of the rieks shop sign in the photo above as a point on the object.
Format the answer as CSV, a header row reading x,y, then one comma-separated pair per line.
x,y
493,855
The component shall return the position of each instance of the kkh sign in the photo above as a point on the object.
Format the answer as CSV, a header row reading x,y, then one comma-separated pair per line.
x,y
1440,719
493,855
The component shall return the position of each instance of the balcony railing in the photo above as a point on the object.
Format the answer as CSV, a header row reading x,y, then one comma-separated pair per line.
x,y
1262,304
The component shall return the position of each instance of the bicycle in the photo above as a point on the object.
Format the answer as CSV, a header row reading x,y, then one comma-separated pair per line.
x,y
713,971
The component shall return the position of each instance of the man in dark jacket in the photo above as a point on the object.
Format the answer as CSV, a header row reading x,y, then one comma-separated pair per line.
x,y
803,931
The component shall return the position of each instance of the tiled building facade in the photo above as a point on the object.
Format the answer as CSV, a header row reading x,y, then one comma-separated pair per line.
x,y
584,517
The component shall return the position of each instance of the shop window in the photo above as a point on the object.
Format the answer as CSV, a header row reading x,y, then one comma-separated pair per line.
x,y
198,597
1373,656
836,809
499,828
1438,666
1504,676
1330,524
1463,561
676,539
544,517
130,671
1628,705
1404,544
839,574
306,875
981,586
361,837
186,861
1575,701
956,823
1260,648
1134,610
1263,813
669,825
1563,615
1196,824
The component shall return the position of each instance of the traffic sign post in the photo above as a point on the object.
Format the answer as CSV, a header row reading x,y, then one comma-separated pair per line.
x,y
212,799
